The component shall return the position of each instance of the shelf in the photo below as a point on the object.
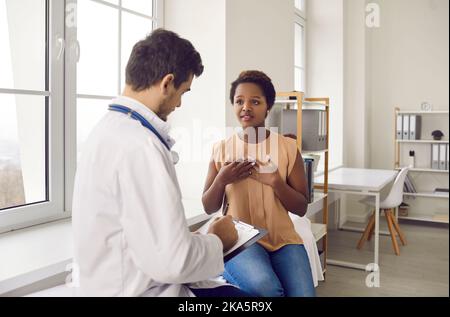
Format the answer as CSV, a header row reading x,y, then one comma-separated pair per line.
x,y
278,101
319,230
433,219
307,106
314,152
430,170
423,141
314,104
437,112
283,101
428,195
316,205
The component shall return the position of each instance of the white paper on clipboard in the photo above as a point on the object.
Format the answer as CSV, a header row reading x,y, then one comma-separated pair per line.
x,y
245,233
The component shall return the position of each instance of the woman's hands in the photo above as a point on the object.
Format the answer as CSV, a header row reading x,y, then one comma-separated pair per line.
x,y
235,171
267,173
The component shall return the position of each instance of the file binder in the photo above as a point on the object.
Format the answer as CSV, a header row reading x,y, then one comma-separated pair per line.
x,y
447,167
415,125
405,127
309,171
435,156
442,156
399,127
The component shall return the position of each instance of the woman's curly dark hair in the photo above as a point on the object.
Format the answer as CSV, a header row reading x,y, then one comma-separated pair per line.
x,y
258,78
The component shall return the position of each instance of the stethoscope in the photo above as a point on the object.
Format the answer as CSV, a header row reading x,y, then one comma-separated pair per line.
x,y
136,116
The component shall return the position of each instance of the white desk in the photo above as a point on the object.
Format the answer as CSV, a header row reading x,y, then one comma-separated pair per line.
x,y
366,182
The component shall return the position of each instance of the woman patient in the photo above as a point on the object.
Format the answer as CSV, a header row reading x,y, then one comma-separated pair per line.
x,y
258,176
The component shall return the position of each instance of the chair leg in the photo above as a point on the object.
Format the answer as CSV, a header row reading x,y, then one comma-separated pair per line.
x,y
366,232
397,228
391,230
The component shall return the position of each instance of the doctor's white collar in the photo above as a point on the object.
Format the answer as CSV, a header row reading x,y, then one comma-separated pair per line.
x,y
162,127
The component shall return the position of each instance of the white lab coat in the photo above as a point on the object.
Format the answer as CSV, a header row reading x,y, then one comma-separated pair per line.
x,y
130,233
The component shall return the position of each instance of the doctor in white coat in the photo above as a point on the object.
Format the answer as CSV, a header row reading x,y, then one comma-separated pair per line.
x,y
130,233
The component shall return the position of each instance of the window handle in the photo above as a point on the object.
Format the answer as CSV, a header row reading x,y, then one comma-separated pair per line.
x,y
77,50
62,46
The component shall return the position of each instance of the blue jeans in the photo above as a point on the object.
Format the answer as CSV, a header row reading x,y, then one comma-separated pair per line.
x,y
221,291
285,272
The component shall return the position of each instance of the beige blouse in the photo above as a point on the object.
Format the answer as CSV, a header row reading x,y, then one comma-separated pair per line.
x,y
253,202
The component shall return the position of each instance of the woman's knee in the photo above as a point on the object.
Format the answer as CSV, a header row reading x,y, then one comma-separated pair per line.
x,y
259,285
267,288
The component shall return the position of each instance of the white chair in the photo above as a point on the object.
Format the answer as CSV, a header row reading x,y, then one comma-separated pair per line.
x,y
392,201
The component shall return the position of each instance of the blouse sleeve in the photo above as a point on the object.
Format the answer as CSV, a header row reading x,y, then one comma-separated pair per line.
x,y
292,150
217,154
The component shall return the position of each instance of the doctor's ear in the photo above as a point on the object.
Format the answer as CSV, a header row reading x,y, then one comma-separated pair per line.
x,y
166,82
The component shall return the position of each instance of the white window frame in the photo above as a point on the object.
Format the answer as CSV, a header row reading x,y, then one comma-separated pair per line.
x,y
28,215
301,13
62,151
300,19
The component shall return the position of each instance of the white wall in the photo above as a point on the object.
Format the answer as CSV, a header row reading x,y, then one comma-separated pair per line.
x,y
260,36
203,23
401,64
409,65
356,145
324,65
231,36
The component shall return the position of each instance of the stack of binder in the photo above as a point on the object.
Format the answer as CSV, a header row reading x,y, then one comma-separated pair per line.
x,y
409,127
440,157
314,127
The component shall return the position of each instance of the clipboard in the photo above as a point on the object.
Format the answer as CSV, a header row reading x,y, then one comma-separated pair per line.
x,y
262,233
242,229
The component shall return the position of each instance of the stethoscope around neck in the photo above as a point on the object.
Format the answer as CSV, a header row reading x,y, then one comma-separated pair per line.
x,y
136,116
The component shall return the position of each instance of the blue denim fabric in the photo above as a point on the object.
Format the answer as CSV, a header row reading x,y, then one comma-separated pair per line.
x,y
285,272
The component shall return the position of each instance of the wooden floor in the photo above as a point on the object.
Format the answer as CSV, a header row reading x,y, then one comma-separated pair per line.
x,y
422,269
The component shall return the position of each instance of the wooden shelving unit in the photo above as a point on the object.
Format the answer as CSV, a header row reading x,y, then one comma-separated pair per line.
x,y
296,100
415,214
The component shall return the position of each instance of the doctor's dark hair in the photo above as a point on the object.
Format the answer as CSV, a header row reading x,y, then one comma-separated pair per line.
x,y
258,78
161,53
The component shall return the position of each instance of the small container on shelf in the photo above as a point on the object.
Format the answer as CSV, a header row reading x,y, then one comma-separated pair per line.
x,y
403,210
412,159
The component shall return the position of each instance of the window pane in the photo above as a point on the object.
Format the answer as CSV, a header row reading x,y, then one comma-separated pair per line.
x,y
22,50
22,150
134,29
89,113
299,45
141,6
97,72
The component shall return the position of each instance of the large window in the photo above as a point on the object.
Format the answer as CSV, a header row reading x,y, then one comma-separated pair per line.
x,y
59,66
300,46
103,52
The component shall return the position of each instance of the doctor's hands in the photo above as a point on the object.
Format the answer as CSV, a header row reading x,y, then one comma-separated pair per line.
x,y
233,172
224,228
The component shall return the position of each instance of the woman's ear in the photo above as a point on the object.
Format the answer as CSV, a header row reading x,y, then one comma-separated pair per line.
x,y
166,82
